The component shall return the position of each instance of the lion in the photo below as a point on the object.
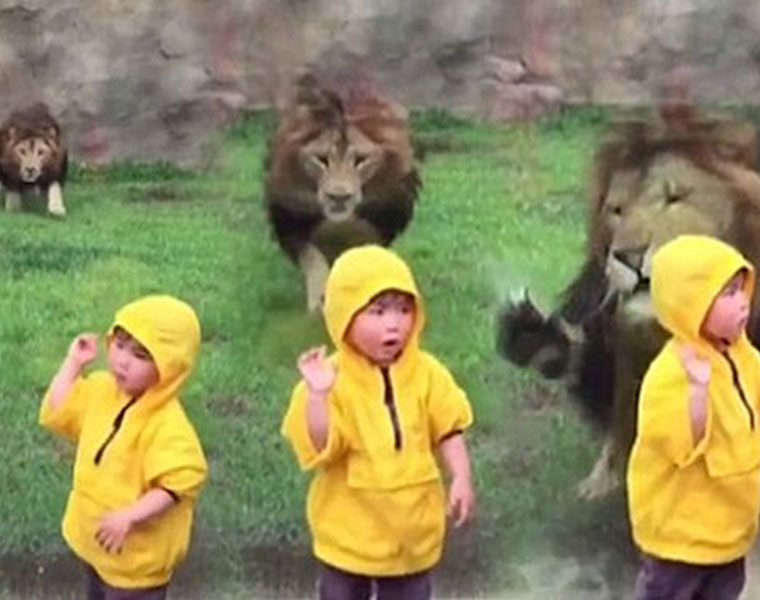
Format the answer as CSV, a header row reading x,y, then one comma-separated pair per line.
x,y
33,158
652,180
340,173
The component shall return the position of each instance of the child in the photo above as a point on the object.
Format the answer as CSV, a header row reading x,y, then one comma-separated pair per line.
x,y
139,464
694,476
369,420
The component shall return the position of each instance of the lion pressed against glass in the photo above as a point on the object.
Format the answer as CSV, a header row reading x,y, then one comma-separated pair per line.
x,y
651,181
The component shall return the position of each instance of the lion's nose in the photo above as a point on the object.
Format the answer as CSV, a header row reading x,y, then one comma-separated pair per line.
x,y
30,171
633,258
338,200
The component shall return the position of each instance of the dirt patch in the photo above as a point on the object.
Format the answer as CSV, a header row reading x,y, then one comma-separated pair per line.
x,y
157,193
283,571
271,570
279,571
30,577
752,590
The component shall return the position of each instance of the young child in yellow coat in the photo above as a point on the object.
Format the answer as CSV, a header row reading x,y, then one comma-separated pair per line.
x,y
139,464
694,471
369,419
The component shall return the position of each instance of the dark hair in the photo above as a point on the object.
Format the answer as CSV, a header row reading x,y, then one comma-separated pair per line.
x,y
119,331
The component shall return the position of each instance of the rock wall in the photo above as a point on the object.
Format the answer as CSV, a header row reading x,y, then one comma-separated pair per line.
x,y
148,79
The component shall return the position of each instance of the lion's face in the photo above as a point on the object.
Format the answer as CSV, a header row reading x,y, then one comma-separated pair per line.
x,y
31,155
341,157
340,165
644,210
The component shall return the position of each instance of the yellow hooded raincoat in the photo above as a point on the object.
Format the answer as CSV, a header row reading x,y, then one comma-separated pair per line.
x,y
696,502
127,446
376,503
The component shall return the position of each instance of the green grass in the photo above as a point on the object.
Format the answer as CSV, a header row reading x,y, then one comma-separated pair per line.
x,y
501,207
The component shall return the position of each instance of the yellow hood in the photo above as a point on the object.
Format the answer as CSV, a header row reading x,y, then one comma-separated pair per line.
x,y
687,275
359,275
170,331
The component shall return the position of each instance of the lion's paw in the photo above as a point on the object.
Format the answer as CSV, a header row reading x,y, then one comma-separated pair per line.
x,y
598,484
526,337
57,211
12,201
315,302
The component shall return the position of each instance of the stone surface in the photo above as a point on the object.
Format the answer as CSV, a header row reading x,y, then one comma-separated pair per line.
x,y
146,80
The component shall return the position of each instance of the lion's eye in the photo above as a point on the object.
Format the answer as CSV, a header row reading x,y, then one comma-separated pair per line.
x,y
322,159
360,159
22,151
616,210
674,192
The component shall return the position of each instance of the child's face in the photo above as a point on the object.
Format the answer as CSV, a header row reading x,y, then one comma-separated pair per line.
x,y
381,329
729,312
131,364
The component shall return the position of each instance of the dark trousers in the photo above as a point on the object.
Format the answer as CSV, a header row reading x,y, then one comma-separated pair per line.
x,y
97,589
670,580
334,584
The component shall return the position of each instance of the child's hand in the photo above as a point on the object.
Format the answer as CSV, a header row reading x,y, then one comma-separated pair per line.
x,y
697,368
83,349
318,372
698,375
461,501
113,530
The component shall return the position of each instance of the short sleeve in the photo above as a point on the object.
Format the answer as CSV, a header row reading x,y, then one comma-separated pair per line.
x,y
66,420
295,430
174,459
449,409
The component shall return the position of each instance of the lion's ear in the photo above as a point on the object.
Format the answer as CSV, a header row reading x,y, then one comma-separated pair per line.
x,y
52,131
737,142
12,133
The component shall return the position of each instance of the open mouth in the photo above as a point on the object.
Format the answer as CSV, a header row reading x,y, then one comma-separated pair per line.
x,y
642,285
390,343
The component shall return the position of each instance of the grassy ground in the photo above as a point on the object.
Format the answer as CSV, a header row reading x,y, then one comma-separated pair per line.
x,y
501,207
